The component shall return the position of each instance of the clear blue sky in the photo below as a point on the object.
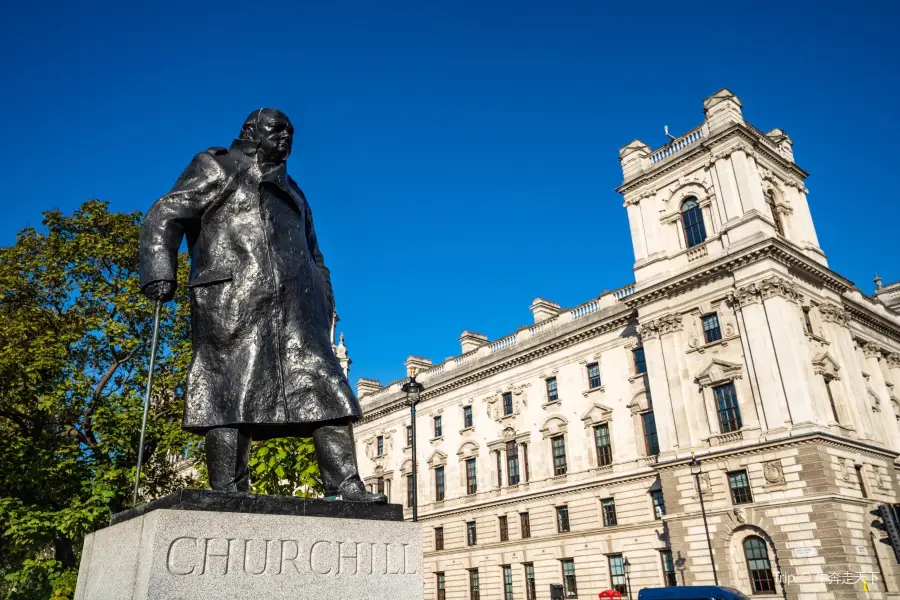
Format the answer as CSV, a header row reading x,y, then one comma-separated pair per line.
x,y
460,158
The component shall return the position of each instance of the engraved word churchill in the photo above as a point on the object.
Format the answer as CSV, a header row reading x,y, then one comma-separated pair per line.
x,y
221,557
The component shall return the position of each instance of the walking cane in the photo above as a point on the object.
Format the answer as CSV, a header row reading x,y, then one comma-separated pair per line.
x,y
137,477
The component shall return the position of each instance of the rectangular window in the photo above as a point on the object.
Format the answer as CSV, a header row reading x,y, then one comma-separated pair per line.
x,y
711,330
530,589
409,435
559,455
727,407
562,519
668,566
604,445
552,391
593,371
807,321
525,522
740,487
659,504
471,534
409,491
441,587
474,589
438,483
380,442
568,570
438,538
861,481
640,364
499,469
651,443
608,508
507,403
507,583
467,416
438,430
512,463
834,411
381,485
471,477
504,528
617,574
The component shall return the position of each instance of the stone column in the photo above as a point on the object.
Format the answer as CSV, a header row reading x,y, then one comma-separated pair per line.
x,y
761,350
748,182
688,403
785,328
726,186
670,434
874,360
636,224
851,383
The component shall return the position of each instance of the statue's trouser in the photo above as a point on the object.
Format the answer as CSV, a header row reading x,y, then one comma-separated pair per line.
x,y
228,455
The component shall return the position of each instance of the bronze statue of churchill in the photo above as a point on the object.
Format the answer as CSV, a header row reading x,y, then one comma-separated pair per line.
x,y
261,308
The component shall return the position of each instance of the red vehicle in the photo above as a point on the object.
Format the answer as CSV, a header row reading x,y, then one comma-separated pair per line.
x,y
610,595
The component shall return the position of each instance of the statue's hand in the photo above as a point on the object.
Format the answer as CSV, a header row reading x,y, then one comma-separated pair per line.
x,y
162,291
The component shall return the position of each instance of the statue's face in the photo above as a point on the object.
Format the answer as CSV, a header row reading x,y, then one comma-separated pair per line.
x,y
276,136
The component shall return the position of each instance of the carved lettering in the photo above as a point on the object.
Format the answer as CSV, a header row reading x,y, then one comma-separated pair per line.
x,y
265,557
312,558
170,558
207,553
292,559
342,556
387,560
406,570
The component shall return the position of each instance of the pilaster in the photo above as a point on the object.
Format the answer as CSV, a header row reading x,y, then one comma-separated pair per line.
x,y
873,359
670,433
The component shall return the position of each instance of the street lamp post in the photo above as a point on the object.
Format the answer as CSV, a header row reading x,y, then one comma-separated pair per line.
x,y
627,566
413,389
696,469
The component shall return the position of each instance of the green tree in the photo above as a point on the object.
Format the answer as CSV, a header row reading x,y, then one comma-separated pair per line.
x,y
74,352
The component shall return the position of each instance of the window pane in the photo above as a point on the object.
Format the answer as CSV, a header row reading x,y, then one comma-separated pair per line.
x,y
568,568
604,445
562,519
525,522
692,217
640,364
758,566
608,508
559,455
659,504
474,587
727,407
467,416
711,330
471,477
409,491
471,536
438,430
617,574
380,440
409,435
507,403
740,487
530,589
507,583
504,529
441,586
439,483
438,538
651,443
668,568
552,392
512,463
593,370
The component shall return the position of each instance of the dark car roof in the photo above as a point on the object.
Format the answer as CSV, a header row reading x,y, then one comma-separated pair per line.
x,y
694,592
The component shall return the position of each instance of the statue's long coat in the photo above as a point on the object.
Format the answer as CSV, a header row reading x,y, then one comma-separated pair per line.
x,y
261,299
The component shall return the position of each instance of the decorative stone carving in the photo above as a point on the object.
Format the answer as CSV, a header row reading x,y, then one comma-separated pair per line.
x,y
739,516
705,483
718,371
598,413
893,360
773,471
832,313
669,324
494,402
749,294
823,364
778,286
694,342
729,330
648,330
876,475
849,469
871,350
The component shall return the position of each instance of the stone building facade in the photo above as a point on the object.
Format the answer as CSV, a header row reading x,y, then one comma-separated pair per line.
x,y
556,453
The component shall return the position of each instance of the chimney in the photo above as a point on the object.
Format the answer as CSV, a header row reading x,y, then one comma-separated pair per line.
x,y
635,159
417,364
722,109
364,386
470,340
543,309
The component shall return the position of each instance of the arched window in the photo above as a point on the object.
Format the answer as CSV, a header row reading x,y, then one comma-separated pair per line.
x,y
758,565
692,217
776,218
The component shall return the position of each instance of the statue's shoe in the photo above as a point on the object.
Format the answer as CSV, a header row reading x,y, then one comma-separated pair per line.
x,y
354,490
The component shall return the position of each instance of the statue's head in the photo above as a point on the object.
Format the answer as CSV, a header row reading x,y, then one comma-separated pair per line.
x,y
272,131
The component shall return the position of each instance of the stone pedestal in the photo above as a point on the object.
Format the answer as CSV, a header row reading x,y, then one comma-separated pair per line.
x,y
199,545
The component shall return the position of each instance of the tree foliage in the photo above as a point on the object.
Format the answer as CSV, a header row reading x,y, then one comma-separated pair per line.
x,y
74,353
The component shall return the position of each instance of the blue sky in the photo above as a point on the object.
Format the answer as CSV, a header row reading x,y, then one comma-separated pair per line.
x,y
460,158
